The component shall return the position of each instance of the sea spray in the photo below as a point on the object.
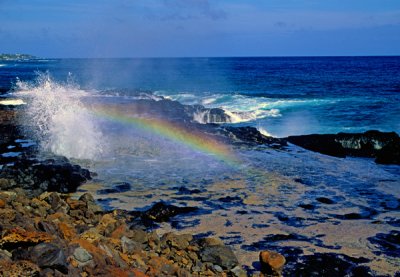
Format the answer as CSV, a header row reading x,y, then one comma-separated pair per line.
x,y
58,118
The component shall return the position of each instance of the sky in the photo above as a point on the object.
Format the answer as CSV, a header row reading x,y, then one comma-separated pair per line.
x,y
199,28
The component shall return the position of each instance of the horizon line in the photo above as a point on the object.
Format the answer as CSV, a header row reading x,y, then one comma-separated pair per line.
x,y
223,57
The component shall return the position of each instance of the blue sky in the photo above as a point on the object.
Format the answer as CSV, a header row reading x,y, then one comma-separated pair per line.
x,y
193,28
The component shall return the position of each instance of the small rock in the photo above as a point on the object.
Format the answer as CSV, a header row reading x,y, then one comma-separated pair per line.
x,y
271,263
217,268
211,241
87,197
81,255
107,225
237,271
139,235
67,232
129,246
177,241
2,203
221,255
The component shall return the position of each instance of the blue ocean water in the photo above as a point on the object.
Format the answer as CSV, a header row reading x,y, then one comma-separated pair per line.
x,y
282,96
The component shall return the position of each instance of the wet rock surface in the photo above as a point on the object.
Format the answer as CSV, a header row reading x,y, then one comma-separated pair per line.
x,y
388,244
384,147
161,212
251,136
56,174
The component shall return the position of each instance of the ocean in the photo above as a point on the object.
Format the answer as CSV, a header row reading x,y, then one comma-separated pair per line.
x,y
282,96
138,122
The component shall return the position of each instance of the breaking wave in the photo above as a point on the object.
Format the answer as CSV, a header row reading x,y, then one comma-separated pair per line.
x,y
58,118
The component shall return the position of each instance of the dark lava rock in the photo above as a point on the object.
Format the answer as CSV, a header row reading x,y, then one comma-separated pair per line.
x,y
385,147
325,200
389,244
230,199
219,254
251,136
389,154
283,237
205,115
56,174
326,264
116,188
185,190
364,214
47,255
162,212
307,206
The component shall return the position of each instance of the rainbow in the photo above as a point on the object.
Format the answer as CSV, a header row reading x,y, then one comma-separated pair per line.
x,y
194,140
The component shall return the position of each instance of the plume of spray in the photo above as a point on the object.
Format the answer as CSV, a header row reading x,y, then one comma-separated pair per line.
x,y
59,119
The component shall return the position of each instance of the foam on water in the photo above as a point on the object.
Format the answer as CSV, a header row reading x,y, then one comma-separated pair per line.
x,y
59,119
12,102
242,108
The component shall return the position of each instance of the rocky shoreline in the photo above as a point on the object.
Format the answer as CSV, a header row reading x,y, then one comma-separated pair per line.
x,y
46,230
54,234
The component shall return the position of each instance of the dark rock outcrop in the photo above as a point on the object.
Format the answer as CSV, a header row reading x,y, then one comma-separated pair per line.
x,y
56,174
250,136
161,212
385,147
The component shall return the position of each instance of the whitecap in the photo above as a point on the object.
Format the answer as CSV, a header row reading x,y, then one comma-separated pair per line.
x,y
12,102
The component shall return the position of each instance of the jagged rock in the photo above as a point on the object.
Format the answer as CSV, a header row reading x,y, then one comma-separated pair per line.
x,y
49,175
16,237
161,212
251,136
47,255
221,255
271,263
385,147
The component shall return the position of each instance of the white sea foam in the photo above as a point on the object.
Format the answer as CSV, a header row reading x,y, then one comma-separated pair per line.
x,y
264,132
59,119
12,102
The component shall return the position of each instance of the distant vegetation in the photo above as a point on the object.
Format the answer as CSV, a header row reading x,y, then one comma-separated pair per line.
x,y
16,57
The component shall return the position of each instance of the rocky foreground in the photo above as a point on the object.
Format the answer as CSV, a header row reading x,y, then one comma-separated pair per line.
x,y
54,234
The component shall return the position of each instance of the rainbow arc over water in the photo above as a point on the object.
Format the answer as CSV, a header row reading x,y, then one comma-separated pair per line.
x,y
195,140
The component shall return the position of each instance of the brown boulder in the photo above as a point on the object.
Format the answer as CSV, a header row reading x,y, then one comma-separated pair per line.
x,y
271,263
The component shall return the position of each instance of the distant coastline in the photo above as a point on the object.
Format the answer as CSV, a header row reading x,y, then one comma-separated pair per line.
x,y
11,57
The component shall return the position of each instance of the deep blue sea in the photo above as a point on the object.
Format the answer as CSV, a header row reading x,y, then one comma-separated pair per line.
x,y
279,95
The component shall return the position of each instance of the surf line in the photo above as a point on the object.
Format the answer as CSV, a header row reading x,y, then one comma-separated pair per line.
x,y
194,140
